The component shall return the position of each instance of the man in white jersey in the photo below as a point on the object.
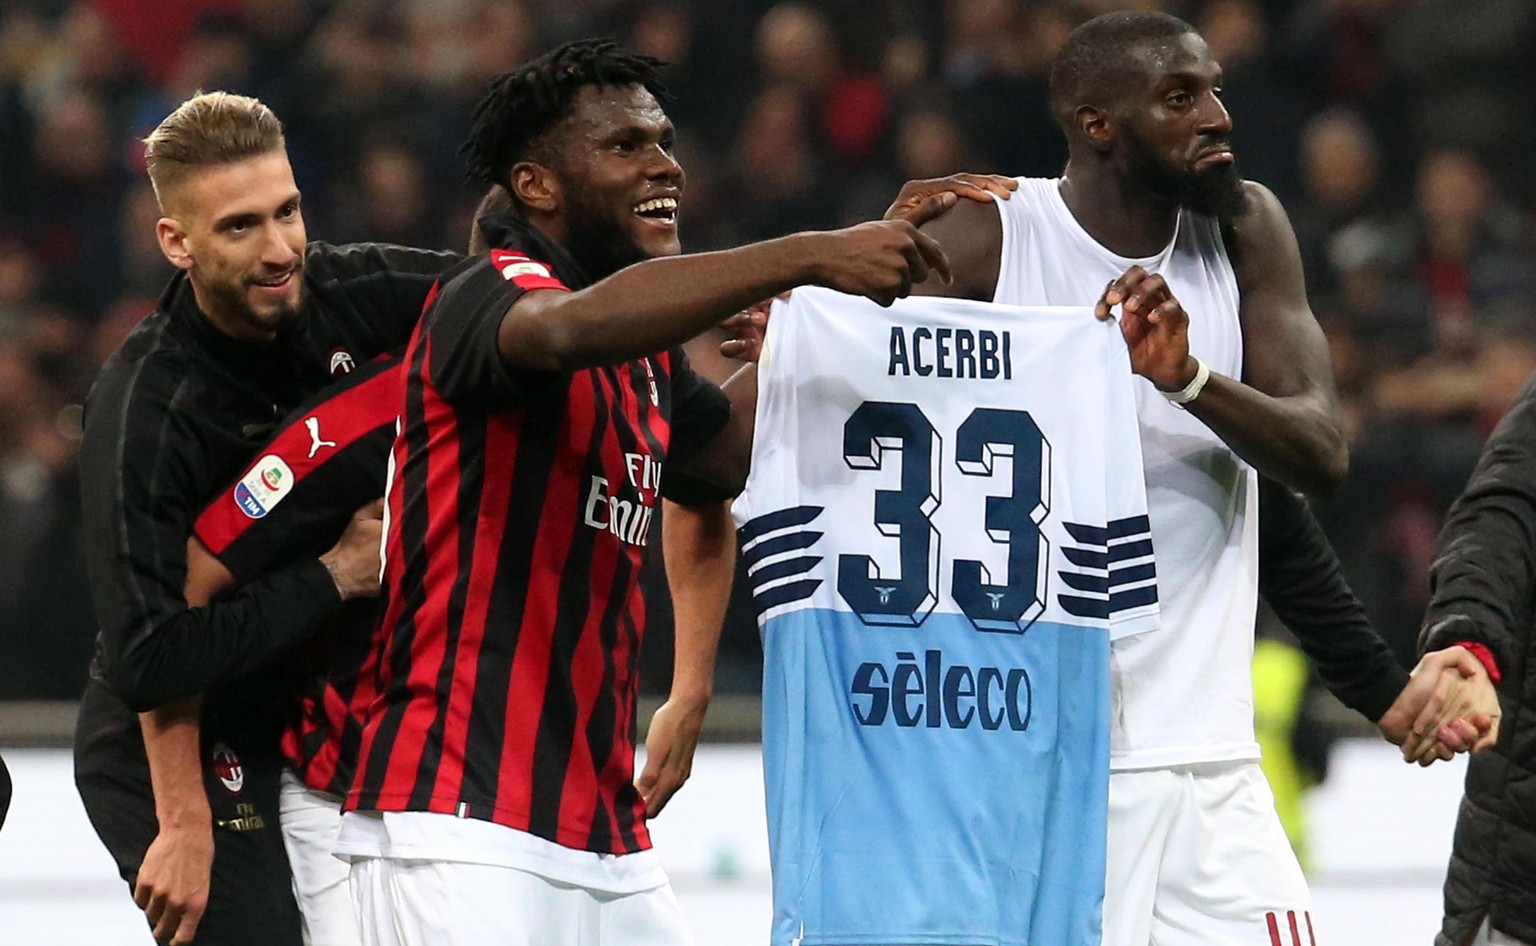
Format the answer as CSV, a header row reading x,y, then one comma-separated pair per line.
x,y
1150,216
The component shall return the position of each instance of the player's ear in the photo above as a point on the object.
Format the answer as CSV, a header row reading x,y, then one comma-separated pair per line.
x,y
535,186
172,237
1094,125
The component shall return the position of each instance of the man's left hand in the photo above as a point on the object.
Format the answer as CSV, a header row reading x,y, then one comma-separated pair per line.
x,y
669,745
981,187
1155,326
924,200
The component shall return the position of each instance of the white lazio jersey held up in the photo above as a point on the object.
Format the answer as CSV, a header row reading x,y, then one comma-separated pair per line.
x,y
944,524
1184,695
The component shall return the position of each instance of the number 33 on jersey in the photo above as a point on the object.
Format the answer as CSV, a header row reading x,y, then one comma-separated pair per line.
x,y
944,526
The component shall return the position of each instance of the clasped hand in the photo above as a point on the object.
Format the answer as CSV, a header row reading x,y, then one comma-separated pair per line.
x,y
1449,706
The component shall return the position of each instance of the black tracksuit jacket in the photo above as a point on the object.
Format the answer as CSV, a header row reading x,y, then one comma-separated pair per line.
x,y
1483,582
175,415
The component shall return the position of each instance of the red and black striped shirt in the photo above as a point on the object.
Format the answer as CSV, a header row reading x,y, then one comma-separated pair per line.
x,y
327,459
519,508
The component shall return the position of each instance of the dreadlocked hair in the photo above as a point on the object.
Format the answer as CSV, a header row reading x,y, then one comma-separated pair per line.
x,y
523,104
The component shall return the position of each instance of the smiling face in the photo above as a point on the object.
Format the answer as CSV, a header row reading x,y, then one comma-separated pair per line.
x,y
618,184
1174,133
237,231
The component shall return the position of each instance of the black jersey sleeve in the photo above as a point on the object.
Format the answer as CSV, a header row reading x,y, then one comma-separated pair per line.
x,y
141,483
333,456
1301,578
1483,576
700,410
383,287
461,328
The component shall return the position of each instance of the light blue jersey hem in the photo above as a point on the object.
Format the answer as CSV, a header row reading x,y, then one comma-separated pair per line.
x,y
937,778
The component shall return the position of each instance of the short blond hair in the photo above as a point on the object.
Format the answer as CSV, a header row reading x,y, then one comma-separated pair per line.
x,y
208,129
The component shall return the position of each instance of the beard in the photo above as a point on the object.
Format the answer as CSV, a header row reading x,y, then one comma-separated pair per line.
x,y
230,298
597,241
1216,192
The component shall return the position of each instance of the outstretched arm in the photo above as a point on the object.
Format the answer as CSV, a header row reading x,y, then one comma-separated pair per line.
x,y
659,303
1301,578
970,231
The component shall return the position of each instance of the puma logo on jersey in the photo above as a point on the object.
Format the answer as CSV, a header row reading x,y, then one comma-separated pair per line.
x,y
315,443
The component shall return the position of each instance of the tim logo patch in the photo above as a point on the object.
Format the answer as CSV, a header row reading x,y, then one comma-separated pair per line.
x,y
226,765
264,486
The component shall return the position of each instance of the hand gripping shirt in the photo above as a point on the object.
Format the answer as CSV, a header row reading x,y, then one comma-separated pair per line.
x,y
944,526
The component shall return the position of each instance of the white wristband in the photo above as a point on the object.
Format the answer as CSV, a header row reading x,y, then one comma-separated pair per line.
x,y
1191,390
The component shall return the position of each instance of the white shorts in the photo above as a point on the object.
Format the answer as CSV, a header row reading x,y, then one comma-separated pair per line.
x,y
1197,857
453,903
310,821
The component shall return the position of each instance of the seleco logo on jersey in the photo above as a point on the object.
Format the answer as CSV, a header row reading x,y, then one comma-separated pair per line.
x,y
341,362
935,696
226,765
264,486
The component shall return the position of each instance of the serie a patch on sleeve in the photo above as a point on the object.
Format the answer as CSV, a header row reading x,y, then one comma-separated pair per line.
x,y
267,483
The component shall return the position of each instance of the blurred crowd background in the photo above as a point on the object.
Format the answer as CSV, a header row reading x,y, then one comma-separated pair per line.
x,y
1398,133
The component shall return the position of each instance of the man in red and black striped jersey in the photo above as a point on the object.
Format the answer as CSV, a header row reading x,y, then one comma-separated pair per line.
x,y
544,395
335,450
